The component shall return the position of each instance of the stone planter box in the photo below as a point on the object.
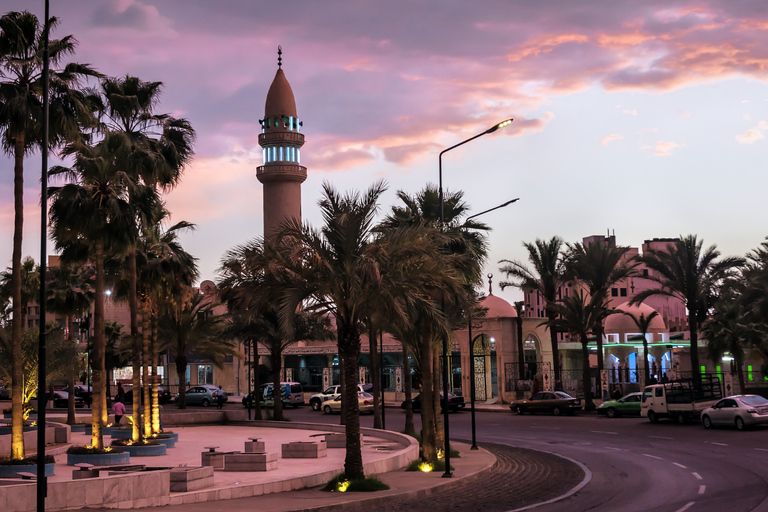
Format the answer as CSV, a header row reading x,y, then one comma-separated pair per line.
x,y
121,433
7,430
191,479
172,435
339,440
11,471
305,450
168,441
80,427
214,459
107,431
99,459
152,450
254,446
250,461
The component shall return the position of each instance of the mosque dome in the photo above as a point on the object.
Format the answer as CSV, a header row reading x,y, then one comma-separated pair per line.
x,y
621,323
498,307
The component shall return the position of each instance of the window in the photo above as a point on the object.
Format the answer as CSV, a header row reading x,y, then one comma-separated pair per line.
x,y
614,292
645,272
205,374
623,292
659,392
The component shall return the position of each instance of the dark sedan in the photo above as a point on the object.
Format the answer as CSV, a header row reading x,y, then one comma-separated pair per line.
x,y
455,403
164,396
61,400
555,402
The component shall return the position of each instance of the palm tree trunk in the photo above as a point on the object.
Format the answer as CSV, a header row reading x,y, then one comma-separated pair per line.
x,y
277,404
740,373
552,316
136,349
439,437
586,380
428,446
155,377
145,357
17,377
349,345
375,380
646,370
71,417
343,413
181,371
99,342
693,326
256,384
410,429
520,349
598,332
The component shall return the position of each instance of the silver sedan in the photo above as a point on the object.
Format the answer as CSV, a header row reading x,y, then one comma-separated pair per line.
x,y
740,411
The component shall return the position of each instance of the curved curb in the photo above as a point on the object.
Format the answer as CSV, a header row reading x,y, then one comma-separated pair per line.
x,y
587,478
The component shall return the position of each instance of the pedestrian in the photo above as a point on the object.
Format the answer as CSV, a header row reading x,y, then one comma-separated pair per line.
x,y
120,393
220,394
616,392
664,377
119,409
535,386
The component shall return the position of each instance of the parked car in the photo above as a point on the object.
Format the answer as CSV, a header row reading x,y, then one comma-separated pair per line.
x,y
455,403
624,406
85,392
740,411
364,404
316,401
555,402
202,394
5,393
292,394
164,396
61,400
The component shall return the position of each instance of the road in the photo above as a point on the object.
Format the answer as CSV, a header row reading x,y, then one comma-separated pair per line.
x,y
635,465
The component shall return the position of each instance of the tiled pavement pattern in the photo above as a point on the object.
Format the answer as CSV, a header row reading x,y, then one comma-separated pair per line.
x,y
520,477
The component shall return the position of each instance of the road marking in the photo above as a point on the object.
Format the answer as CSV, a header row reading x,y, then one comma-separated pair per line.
x,y
612,448
687,506
698,476
702,489
605,432
679,465
720,444
549,428
653,456
662,437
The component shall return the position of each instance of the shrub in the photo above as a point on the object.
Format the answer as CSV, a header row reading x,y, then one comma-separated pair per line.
x,y
341,484
25,461
130,442
89,450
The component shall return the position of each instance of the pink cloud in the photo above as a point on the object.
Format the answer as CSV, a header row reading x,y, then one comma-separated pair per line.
x,y
750,136
664,148
610,138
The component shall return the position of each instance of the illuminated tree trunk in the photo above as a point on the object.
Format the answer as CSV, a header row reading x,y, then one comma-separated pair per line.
x,y
99,342
145,357
17,377
155,376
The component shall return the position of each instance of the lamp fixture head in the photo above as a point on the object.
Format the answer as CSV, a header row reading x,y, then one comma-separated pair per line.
x,y
499,125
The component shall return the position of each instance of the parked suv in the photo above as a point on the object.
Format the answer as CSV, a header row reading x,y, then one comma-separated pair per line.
x,y
332,393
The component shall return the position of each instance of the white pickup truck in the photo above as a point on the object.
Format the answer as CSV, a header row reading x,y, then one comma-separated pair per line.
x,y
680,400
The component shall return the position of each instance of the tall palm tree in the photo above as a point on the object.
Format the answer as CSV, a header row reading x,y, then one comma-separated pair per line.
x,y
30,286
579,315
599,266
21,131
730,329
687,273
643,324
70,293
90,217
545,276
192,328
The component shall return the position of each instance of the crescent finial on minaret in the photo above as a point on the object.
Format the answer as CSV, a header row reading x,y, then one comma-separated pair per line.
x,y
279,56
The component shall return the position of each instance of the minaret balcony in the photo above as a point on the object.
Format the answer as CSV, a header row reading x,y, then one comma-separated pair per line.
x,y
272,138
278,171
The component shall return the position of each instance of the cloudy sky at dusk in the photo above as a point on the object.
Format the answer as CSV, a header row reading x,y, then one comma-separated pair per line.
x,y
646,118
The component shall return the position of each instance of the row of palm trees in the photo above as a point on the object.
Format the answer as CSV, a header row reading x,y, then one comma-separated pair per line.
x,y
108,212
725,295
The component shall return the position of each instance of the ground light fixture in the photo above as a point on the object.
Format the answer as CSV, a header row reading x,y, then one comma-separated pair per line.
x,y
446,423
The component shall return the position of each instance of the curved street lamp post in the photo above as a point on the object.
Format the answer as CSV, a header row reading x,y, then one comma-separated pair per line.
x,y
446,424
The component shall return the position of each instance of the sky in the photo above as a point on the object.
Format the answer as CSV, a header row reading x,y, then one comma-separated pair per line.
x,y
648,119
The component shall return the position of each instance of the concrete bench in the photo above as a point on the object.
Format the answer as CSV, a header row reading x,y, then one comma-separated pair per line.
x,y
305,450
338,440
250,461
85,470
255,446
184,479
214,458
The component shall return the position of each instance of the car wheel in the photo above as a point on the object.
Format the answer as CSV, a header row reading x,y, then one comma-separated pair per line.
x,y
681,419
652,417
556,411
315,405
706,421
518,409
611,412
739,423
206,402
327,409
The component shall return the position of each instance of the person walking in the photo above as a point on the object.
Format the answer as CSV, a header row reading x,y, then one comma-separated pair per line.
x,y
120,393
119,409
220,394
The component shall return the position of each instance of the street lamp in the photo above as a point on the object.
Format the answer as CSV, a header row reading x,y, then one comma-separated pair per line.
x,y
446,424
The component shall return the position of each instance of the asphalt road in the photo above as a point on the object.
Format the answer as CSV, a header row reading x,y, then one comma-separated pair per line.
x,y
635,465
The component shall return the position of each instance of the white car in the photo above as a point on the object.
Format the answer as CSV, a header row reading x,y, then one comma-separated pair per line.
x,y
332,393
740,411
364,404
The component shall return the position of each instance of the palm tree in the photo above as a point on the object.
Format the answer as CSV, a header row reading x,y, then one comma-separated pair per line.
x,y
599,266
730,329
579,315
520,310
70,293
90,217
192,328
643,324
21,112
685,272
547,275
30,286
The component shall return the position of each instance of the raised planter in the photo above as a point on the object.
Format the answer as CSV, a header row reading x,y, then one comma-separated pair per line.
x,y
107,431
7,430
121,433
99,459
152,450
79,427
10,471
172,435
168,441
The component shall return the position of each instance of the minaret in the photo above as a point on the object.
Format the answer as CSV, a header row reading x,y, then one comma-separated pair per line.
x,y
281,172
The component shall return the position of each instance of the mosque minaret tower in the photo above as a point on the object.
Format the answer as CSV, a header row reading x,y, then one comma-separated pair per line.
x,y
281,171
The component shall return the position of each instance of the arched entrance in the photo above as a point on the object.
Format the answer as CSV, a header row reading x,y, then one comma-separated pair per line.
x,y
480,361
